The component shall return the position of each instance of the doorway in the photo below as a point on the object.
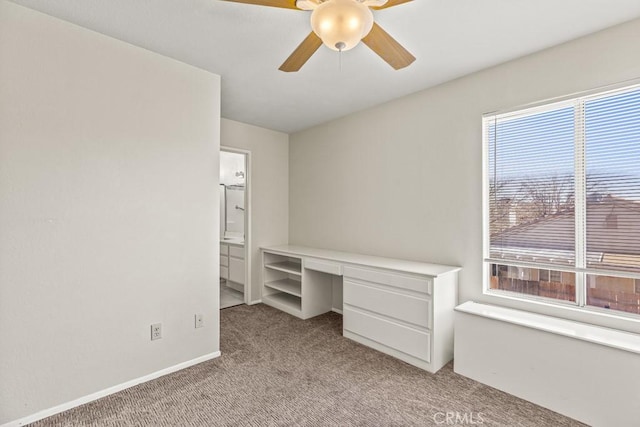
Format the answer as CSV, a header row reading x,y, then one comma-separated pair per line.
x,y
235,222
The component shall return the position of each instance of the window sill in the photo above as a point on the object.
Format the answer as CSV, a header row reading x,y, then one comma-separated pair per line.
x,y
625,341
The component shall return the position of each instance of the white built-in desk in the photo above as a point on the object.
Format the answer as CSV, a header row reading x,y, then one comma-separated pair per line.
x,y
402,308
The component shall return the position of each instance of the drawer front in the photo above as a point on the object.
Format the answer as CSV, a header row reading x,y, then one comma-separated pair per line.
x,y
224,272
323,266
412,283
224,261
236,270
224,249
236,252
403,307
402,338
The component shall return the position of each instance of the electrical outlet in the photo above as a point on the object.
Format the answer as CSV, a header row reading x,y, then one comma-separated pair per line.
x,y
199,320
156,331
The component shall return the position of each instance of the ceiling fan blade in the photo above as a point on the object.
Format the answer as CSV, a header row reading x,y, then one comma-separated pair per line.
x,y
388,48
302,53
286,4
391,3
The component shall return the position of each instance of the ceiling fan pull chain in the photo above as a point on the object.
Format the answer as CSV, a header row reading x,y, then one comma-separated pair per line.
x,y
340,46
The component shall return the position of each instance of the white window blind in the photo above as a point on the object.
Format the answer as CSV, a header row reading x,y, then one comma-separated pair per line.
x,y
563,203
612,146
532,186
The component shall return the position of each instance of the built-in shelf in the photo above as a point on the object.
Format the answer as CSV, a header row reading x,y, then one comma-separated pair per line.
x,y
289,286
287,267
285,302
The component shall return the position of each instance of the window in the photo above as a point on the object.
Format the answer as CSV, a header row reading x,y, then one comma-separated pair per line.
x,y
562,219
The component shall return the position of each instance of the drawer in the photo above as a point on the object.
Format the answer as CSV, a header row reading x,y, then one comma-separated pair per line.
x,y
323,266
224,272
236,270
403,307
236,252
224,249
398,337
224,261
412,283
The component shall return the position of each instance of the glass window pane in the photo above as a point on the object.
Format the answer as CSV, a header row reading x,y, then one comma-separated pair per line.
x,y
553,284
615,293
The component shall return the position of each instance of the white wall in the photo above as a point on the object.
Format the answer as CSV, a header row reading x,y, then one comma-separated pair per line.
x,y
594,383
404,179
108,211
269,182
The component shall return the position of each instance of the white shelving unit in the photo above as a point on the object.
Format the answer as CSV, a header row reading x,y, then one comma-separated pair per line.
x,y
282,279
289,287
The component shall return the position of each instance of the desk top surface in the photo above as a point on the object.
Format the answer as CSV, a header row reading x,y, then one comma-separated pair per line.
x,y
421,268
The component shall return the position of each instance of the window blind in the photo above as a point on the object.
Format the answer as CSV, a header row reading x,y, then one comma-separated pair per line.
x,y
536,191
612,155
532,186
563,199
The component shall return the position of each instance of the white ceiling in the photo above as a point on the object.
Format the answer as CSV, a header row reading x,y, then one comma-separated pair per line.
x,y
246,44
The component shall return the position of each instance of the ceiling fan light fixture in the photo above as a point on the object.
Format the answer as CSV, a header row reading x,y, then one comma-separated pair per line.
x,y
341,24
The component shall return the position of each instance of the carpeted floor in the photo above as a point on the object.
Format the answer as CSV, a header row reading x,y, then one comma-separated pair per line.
x,y
279,370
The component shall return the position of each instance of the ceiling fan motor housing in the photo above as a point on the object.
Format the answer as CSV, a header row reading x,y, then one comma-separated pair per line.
x,y
341,24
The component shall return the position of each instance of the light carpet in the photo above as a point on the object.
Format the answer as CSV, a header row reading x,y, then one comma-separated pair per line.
x,y
277,370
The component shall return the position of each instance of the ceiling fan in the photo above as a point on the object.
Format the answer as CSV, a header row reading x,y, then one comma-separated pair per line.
x,y
341,25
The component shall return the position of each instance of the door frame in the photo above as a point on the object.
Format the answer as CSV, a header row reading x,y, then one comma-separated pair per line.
x,y
247,218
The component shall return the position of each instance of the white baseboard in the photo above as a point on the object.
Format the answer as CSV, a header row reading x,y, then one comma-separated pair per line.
x,y
258,301
106,392
336,310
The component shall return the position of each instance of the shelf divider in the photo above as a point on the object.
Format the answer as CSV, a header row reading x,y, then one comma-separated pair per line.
x,y
287,267
285,302
289,286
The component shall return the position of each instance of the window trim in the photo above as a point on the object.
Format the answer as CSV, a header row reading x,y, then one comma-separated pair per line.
x,y
578,101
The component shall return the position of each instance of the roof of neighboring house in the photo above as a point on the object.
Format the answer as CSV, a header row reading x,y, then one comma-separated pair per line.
x,y
613,234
